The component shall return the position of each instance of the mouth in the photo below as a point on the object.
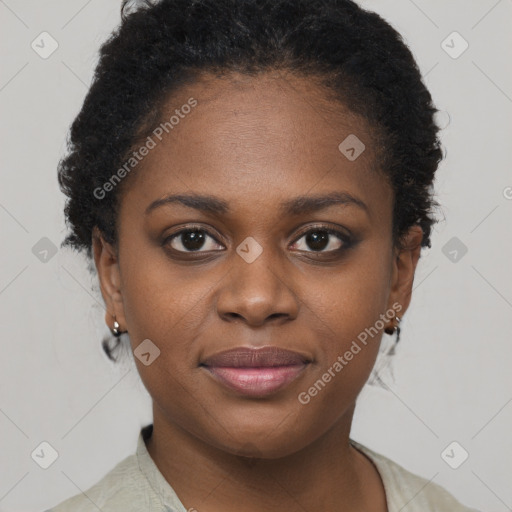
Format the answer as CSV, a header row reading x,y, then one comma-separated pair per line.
x,y
256,372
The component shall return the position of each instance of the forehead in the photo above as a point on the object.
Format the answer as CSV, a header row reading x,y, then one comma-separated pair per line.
x,y
258,139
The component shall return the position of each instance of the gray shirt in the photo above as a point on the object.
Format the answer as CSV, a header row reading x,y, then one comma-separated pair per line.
x,y
135,484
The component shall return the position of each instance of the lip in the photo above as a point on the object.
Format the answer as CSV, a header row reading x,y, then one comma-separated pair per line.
x,y
256,372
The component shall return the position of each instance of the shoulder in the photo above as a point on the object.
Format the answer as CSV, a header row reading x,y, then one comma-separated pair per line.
x,y
134,484
406,489
118,490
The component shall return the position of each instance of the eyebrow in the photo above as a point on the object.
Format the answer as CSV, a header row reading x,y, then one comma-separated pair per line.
x,y
295,206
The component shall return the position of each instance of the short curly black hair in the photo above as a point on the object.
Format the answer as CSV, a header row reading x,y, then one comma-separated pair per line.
x,y
160,46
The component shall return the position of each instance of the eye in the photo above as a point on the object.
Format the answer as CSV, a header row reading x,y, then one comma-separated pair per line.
x,y
192,240
323,239
318,239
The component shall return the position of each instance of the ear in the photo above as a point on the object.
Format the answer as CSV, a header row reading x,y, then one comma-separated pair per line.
x,y
404,266
109,276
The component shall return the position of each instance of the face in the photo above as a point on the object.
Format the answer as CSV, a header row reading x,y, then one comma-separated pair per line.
x,y
258,267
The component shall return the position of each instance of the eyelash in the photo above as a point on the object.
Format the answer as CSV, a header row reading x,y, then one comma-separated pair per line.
x,y
346,240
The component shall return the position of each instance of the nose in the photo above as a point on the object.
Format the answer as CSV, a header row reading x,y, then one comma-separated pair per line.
x,y
257,293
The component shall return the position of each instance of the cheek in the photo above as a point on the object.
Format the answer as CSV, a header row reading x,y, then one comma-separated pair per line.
x,y
352,298
345,323
166,308
347,319
170,308
160,302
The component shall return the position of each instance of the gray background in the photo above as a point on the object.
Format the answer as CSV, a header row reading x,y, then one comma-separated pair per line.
x,y
452,379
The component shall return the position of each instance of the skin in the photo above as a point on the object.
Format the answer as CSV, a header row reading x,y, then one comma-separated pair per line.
x,y
255,142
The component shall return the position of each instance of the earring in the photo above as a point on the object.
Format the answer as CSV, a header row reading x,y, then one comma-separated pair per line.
x,y
393,328
115,331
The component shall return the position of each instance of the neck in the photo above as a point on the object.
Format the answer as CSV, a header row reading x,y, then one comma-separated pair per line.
x,y
327,474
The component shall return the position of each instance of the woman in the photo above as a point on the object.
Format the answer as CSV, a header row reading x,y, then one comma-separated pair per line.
x,y
253,180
